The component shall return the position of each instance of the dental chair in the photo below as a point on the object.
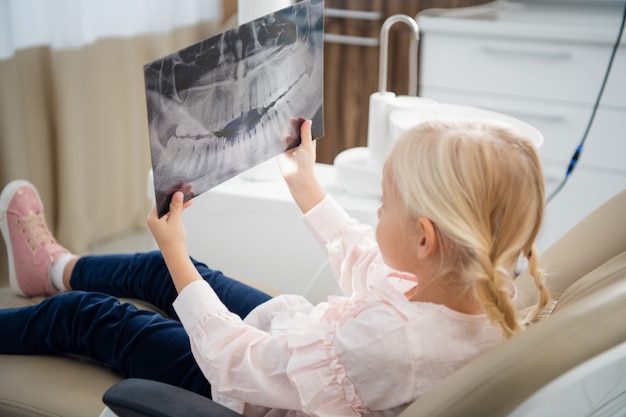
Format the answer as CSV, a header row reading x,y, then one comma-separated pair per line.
x,y
572,362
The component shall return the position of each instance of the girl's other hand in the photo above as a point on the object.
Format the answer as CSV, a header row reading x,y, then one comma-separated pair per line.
x,y
169,231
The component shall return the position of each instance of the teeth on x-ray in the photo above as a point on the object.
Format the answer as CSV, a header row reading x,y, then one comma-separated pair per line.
x,y
228,103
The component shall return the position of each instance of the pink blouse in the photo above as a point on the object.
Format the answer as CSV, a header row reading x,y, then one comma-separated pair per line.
x,y
372,351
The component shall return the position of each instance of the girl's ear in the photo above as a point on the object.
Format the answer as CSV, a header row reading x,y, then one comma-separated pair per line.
x,y
428,242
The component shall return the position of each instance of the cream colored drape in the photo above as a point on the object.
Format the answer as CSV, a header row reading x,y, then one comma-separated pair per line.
x,y
73,122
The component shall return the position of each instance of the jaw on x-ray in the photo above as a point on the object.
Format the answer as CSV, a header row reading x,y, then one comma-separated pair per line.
x,y
230,102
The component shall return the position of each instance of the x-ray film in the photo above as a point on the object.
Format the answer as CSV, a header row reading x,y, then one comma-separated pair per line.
x,y
230,102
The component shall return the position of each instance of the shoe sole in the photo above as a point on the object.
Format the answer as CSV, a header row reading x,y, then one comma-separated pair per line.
x,y
5,199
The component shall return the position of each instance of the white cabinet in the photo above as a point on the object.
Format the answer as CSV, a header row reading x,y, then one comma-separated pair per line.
x,y
543,64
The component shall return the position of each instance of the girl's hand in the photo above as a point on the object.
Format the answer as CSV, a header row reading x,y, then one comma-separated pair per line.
x,y
299,162
297,166
169,233
169,230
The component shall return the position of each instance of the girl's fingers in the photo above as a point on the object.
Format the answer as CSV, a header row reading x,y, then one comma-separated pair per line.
x,y
305,132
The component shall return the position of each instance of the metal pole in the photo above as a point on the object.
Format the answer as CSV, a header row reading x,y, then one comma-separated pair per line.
x,y
384,52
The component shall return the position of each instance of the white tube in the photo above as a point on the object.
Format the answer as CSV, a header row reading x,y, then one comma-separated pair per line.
x,y
378,135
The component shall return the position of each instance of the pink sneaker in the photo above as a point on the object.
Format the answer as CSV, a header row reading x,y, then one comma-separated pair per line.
x,y
30,245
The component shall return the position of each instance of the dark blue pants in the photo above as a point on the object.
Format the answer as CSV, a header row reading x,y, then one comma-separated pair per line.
x,y
90,321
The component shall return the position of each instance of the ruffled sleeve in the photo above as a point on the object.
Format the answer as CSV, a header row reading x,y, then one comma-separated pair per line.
x,y
337,361
352,250
292,366
240,361
314,368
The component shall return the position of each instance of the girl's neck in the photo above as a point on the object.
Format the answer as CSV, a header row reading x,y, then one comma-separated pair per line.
x,y
447,296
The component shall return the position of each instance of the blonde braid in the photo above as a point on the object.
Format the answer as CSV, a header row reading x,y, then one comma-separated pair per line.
x,y
493,290
544,294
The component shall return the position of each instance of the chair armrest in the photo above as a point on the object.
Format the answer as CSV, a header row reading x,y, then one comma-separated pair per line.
x,y
144,398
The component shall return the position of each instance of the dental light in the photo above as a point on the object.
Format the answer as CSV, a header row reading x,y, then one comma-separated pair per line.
x,y
359,170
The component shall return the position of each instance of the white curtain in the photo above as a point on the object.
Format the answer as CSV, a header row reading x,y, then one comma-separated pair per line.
x,y
65,24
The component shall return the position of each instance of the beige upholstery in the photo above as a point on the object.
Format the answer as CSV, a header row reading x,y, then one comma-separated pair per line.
x,y
586,274
596,239
52,386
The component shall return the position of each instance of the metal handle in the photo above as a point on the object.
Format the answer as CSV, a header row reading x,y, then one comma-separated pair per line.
x,y
384,52
353,14
527,53
350,40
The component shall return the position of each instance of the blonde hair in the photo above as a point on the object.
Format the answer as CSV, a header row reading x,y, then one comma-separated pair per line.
x,y
481,184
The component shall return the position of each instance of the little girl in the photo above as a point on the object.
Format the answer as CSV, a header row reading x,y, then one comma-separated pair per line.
x,y
432,289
